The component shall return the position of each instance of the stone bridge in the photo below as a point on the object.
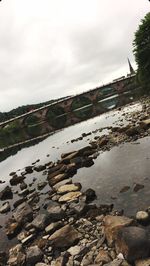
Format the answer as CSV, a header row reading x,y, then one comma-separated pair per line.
x,y
60,109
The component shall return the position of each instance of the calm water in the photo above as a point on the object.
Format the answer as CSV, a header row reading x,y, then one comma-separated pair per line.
x,y
124,165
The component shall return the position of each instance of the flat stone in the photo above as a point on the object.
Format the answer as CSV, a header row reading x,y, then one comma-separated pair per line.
x,y
113,224
18,202
51,228
33,255
23,213
70,196
68,188
74,250
64,237
6,193
54,180
133,243
145,262
5,207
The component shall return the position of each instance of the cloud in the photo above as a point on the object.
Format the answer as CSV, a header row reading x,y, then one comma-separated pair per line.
x,y
56,48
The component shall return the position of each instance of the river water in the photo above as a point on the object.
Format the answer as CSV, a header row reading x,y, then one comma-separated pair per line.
x,y
125,165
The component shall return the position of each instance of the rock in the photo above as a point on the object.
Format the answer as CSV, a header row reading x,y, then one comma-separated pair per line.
x,y
74,250
64,237
6,193
115,262
18,202
24,192
137,187
5,207
16,256
39,168
27,239
23,186
53,181
41,264
12,228
145,262
145,124
15,180
68,188
113,224
33,255
79,208
23,213
142,216
55,211
103,141
70,196
132,131
124,189
66,159
102,257
133,243
51,228
41,185
41,220
29,169
90,195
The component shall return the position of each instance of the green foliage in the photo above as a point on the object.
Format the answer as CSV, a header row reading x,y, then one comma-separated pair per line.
x,y
142,52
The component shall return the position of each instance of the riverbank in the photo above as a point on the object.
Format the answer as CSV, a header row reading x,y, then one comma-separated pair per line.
x,y
41,219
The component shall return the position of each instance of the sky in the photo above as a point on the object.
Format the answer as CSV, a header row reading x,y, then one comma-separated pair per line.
x,y
55,48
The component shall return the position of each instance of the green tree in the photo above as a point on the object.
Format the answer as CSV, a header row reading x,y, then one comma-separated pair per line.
x,y
142,52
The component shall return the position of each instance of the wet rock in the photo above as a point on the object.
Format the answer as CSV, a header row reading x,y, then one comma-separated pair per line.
x,y
6,193
145,262
55,211
113,224
138,187
64,237
66,159
70,196
79,208
142,216
39,168
41,220
41,185
53,181
90,195
102,257
103,141
15,180
133,243
12,228
27,239
29,169
18,202
24,192
68,188
16,256
5,207
33,255
12,173
23,186
52,227
88,162
124,189
23,213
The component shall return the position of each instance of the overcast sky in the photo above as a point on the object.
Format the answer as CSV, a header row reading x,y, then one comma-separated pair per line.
x,y
54,48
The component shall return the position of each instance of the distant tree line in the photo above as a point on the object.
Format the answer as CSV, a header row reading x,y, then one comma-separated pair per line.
x,y
142,53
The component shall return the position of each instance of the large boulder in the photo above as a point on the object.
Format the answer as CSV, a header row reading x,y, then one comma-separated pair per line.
x,y
64,237
23,213
133,243
113,224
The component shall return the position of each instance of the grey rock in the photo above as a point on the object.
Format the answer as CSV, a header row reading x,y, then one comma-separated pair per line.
x,y
33,255
41,220
23,213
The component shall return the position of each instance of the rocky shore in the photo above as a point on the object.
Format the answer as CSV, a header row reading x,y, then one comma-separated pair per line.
x,y
67,227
